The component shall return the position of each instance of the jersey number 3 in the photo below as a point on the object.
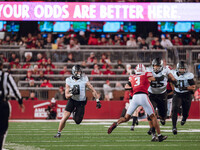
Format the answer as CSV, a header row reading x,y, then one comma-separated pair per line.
x,y
137,81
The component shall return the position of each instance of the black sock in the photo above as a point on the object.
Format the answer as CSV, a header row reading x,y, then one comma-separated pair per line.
x,y
153,130
174,120
134,120
123,112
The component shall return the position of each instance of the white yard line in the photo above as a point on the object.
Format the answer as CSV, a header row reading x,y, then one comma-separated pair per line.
x,y
15,146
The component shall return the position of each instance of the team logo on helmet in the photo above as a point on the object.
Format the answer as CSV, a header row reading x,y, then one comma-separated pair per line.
x,y
139,69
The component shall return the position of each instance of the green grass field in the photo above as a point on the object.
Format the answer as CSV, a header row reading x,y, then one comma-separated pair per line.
x,y
93,136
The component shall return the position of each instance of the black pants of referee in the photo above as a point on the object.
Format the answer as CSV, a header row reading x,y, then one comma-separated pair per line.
x,y
184,100
77,108
4,116
159,101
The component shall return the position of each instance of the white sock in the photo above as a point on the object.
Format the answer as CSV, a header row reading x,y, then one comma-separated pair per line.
x,y
159,134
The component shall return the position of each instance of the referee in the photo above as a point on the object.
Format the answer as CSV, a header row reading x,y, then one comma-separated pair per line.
x,y
7,88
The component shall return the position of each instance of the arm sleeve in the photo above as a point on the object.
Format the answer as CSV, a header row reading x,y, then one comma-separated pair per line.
x,y
13,89
191,82
129,83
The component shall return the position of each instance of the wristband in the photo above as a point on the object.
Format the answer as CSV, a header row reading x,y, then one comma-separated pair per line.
x,y
97,100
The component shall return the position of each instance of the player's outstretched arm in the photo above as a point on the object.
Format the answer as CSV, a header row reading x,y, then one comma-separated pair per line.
x,y
94,93
67,93
128,86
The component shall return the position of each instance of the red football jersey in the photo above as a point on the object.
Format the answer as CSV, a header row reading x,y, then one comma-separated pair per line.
x,y
140,83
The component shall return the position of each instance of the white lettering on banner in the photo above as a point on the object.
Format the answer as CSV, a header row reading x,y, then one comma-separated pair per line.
x,y
1,6
17,12
132,11
48,11
103,11
5,11
139,11
66,13
25,10
125,8
40,113
77,12
39,8
57,11
92,11
85,11
162,12
117,7
110,12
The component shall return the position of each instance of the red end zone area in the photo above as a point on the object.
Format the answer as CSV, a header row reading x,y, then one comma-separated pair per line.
x,y
109,110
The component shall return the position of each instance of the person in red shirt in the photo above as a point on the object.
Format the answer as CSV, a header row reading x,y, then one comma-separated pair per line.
x,y
96,70
26,65
46,84
197,95
139,83
52,110
15,64
92,40
108,71
65,71
43,64
29,76
48,70
32,97
49,62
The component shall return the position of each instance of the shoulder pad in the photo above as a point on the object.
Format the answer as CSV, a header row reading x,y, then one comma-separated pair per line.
x,y
189,75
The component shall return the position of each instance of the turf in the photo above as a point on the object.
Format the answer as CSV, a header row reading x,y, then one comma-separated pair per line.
x,y
94,137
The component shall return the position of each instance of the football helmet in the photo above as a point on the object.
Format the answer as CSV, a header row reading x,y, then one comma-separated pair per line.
x,y
157,65
181,67
139,69
76,72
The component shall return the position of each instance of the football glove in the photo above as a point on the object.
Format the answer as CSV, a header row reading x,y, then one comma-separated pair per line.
x,y
75,90
98,105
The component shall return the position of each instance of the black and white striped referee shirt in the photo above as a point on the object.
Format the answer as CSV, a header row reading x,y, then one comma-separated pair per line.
x,y
8,87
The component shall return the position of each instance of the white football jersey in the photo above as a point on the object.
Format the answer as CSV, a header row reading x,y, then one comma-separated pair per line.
x,y
161,86
82,84
182,80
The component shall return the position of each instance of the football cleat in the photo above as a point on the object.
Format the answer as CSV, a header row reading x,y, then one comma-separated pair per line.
x,y
132,128
112,127
162,138
149,132
174,130
154,139
58,135
183,121
162,121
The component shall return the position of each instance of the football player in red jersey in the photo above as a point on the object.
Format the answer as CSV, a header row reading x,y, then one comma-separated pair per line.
x,y
139,83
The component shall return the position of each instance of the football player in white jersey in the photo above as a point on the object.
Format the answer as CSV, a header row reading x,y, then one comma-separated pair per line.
x,y
183,93
75,92
158,91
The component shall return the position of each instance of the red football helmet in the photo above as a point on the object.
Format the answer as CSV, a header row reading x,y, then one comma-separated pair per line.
x,y
139,69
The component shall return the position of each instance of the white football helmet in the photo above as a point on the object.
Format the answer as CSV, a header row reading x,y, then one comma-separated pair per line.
x,y
139,69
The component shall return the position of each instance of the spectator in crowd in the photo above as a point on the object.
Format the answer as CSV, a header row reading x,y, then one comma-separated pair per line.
x,y
128,70
143,45
92,40
41,76
7,40
28,56
157,45
91,58
110,42
72,45
149,39
193,41
49,42
60,95
43,64
118,86
3,57
84,64
64,71
28,76
27,65
197,95
166,43
60,43
31,42
131,42
15,64
103,41
108,71
108,94
104,58
31,83
119,65
48,70
69,58
52,110
39,45
32,97
176,41
22,42
125,40
39,57
49,62
12,58
82,38
139,40
105,64
153,42
96,70
46,83
95,61
35,70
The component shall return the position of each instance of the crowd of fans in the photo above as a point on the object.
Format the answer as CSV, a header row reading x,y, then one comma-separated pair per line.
x,y
72,41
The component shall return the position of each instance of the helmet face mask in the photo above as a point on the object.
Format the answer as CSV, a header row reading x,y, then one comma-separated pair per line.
x,y
139,69
157,65
181,67
76,72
